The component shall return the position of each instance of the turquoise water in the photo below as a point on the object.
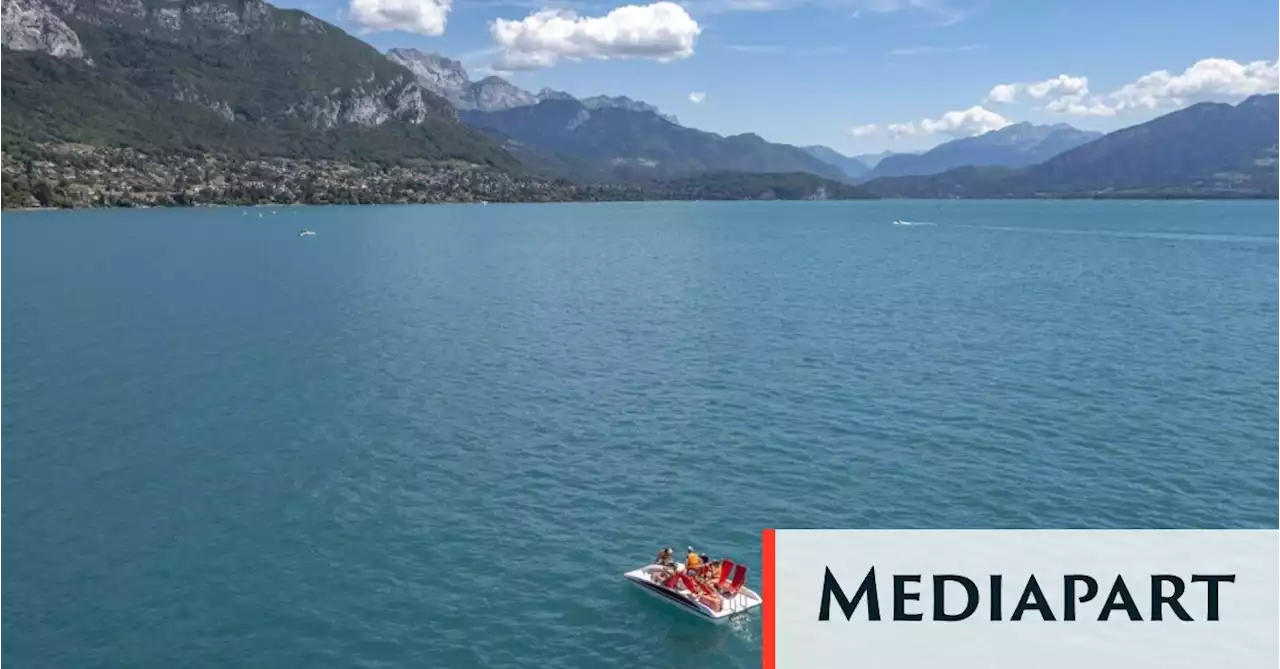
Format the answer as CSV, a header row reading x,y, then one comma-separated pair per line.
x,y
436,436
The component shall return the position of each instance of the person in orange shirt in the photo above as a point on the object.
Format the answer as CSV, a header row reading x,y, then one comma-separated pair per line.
x,y
693,561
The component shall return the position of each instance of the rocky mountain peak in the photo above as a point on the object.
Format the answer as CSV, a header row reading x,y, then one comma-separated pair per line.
x,y
448,78
552,94
624,102
440,75
496,94
32,25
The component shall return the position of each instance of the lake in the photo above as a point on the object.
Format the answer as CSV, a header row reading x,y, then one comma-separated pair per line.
x,y
436,436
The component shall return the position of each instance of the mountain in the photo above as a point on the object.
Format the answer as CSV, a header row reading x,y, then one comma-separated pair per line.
x,y
1209,149
852,167
1016,145
448,79
717,185
619,102
235,77
619,143
873,159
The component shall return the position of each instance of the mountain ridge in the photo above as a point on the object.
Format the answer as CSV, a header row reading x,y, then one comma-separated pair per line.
x,y
852,167
449,79
1209,149
240,77
623,144
1015,145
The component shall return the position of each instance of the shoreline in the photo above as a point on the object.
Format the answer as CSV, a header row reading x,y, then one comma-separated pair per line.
x,y
1240,198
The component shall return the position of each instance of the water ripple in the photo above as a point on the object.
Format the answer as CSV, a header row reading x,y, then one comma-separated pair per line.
x,y
436,436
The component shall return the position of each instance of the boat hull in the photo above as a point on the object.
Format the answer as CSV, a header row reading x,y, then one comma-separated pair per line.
x,y
745,600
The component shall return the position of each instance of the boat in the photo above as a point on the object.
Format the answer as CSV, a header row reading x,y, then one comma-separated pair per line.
x,y
715,602
307,233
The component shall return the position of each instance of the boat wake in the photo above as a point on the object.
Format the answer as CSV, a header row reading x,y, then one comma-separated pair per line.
x,y
1130,234
915,223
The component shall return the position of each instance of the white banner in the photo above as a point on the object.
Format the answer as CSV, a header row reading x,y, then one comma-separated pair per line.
x,y
1037,599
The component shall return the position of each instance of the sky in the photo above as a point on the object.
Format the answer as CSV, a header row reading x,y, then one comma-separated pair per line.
x,y
859,76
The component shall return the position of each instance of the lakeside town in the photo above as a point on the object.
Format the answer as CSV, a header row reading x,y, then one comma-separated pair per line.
x,y
82,176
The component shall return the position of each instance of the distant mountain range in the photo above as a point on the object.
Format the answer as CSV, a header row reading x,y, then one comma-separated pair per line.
x,y
194,90
1205,150
600,137
852,167
448,78
1016,145
873,159
617,143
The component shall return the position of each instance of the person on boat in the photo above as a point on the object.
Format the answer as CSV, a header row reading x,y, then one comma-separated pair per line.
x,y
692,561
712,572
666,557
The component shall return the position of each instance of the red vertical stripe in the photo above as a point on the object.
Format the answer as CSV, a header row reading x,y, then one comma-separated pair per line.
x,y
767,593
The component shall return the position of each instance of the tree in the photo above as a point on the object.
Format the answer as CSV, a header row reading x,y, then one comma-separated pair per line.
x,y
44,193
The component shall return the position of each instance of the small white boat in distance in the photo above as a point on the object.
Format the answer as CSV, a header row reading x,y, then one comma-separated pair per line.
x,y
307,233
714,602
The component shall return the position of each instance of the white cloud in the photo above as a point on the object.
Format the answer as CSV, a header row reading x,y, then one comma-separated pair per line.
x,y
965,123
1211,79
662,31
1063,94
424,17
1059,86
1208,79
1003,93
899,130
1063,85
962,123
1075,105
697,97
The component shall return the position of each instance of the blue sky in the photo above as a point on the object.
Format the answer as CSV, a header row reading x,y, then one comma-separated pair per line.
x,y
811,71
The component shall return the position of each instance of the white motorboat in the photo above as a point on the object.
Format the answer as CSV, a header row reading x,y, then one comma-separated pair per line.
x,y
714,602
307,233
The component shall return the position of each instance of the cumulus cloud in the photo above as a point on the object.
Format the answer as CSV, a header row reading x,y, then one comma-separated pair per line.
x,y
900,130
1211,79
697,97
662,31
1076,105
1059,86
1064,94
1208,79
1063,85
961,123
424,17
964,123
1003,94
